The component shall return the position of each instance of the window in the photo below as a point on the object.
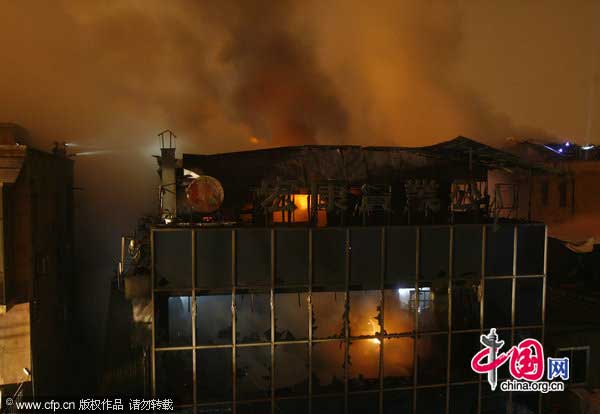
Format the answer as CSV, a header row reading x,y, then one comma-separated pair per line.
x,y
213,258
173,315
297,213
363,365
289,316
173,259
579,363
562,193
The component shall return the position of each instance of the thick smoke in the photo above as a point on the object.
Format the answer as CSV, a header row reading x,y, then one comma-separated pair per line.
x,y
280,91
231,75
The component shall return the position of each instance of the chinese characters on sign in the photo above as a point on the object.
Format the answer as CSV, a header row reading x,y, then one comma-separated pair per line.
x,y
526,362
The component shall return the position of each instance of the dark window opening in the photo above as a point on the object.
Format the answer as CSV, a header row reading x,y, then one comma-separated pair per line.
x,y
463,399
401,253
291,406
328,367
173,320
431,400
291,263
214,372
578,363
291,369
432,353
213,258
499,250
528,298
435,252
329,250
498,303
464,346
467,251
530,249
466,302
363,403
365,257
173,259
174,364
253,257
328,405
395,402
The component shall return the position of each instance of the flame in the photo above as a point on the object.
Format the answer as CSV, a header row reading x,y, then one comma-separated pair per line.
x,y
301,201
254,140
300,214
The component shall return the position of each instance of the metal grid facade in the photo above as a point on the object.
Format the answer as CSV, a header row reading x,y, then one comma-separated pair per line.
x,y
445,284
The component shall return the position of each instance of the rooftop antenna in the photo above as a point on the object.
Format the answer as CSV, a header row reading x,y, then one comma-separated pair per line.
x,y
167,139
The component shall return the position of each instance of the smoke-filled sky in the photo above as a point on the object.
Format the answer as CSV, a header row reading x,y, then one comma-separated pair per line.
x,y
228,75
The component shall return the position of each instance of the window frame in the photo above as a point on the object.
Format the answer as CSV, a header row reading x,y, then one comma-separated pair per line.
x,y
571,349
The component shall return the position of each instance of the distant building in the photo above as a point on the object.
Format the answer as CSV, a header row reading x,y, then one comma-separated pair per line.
x,y
36,249
566,198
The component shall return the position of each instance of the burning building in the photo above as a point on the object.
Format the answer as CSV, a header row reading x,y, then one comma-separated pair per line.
x,y
336,279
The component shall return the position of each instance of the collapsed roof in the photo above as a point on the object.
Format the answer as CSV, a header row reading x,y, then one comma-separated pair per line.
x,y
458,158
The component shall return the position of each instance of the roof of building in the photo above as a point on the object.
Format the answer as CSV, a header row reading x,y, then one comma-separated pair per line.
x,y
551,151
351,163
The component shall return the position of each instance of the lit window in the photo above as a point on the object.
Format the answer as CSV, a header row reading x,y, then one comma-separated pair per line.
x,y
298,215
409,296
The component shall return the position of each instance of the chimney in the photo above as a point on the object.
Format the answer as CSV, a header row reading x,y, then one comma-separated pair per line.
x,y
168,184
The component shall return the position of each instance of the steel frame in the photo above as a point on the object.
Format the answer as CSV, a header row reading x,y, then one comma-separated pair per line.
x,y
416,334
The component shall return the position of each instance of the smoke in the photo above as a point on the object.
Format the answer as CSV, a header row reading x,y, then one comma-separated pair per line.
x,y
280,92
230,75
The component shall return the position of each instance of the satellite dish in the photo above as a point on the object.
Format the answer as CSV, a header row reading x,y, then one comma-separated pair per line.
x,y
205,194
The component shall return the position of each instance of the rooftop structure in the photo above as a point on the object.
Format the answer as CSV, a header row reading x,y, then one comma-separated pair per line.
x,y
328,185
